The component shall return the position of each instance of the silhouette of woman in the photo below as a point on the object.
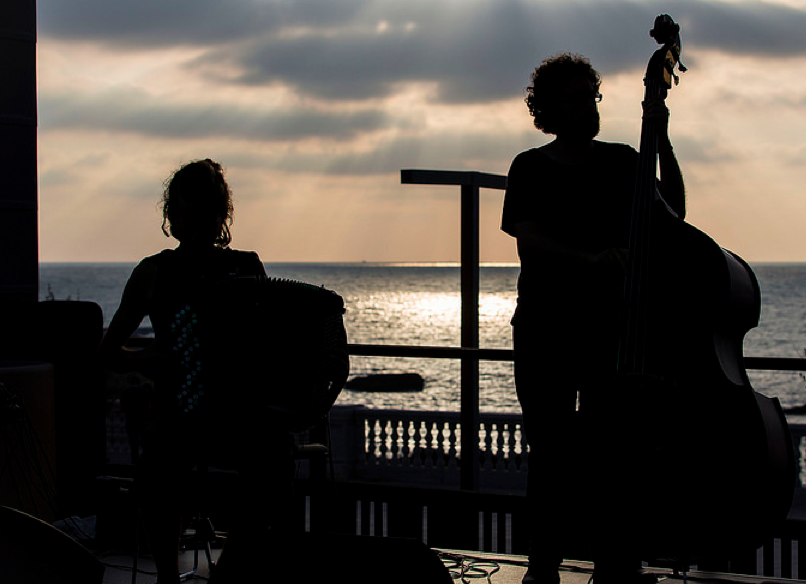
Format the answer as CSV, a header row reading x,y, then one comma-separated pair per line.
x,y
198,415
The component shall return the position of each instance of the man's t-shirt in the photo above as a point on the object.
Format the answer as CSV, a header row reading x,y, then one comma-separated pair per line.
x,y
586,207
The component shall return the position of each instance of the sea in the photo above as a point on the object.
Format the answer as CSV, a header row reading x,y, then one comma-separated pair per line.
x,y
419,304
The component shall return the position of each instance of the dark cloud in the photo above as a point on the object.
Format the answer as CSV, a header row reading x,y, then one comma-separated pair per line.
x,y
467,65
477,53
746,28
489,53
473,51
137,113
157,23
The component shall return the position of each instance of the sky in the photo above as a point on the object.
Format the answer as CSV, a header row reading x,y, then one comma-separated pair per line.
x,y
314,107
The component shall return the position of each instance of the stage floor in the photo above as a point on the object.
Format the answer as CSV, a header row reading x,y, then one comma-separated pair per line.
x,y
463,566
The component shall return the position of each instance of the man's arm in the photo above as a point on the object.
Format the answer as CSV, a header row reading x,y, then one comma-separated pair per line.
x,y
671,185
535,247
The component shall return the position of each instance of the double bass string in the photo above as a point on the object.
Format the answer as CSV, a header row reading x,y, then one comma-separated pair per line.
x,y
633,335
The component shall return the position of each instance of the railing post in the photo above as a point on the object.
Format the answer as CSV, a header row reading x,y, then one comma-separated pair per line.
x,y
470,182
469,236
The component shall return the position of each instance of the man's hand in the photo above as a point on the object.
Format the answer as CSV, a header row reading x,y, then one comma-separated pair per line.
x,y
613,258
657,114
671,184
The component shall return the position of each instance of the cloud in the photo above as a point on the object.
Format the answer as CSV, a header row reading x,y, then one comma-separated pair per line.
x,y
315,105
150,23
468,54
474,51
746,28
704,150
132,111
71,174
448,150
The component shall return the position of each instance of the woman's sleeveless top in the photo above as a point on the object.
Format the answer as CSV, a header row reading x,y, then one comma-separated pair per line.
x,y
193,382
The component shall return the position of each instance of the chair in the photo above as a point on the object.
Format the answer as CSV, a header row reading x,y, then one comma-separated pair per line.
x,y
314,445
200,530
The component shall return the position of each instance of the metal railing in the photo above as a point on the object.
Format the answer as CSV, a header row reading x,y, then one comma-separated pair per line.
x,y
469,183
469,353
413,511
497,523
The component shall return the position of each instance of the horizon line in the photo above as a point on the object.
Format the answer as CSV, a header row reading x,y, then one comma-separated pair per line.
x,y
392,263
388,264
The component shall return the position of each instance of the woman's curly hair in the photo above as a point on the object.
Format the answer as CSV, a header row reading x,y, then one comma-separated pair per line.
x,y
200,192
552,73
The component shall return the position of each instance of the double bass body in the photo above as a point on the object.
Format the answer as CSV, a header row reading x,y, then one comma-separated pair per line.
x,y
705,463
691,462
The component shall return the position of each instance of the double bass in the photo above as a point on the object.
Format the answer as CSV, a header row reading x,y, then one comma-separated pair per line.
x,y
694,462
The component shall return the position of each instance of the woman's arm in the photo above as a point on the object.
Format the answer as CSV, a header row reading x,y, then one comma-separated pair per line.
x,y
132,310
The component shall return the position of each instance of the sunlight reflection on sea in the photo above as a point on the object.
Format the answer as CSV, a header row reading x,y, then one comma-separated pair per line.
x,y
419,304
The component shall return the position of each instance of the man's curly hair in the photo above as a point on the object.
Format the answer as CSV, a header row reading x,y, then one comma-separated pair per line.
x,y
551,74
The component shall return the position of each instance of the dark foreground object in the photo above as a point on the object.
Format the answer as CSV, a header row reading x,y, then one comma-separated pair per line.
x,y
33,551
314,558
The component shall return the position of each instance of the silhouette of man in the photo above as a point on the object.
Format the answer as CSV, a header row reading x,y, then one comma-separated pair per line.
x,y
568,205
198,415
